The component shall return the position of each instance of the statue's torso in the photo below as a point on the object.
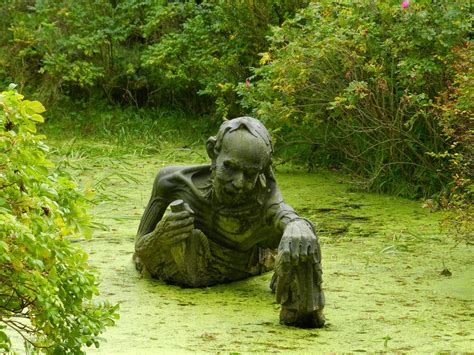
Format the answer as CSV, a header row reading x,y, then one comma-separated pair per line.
x,y
236,227
234,235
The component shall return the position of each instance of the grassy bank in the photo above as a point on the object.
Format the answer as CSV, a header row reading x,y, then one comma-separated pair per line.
x,y
73,125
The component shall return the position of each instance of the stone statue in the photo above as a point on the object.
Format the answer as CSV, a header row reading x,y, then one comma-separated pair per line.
x,y
226,221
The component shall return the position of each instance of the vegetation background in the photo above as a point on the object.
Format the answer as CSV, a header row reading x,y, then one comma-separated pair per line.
x,y
379,89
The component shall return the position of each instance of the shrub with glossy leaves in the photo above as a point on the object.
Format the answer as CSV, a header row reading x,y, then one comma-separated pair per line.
x,y
46,285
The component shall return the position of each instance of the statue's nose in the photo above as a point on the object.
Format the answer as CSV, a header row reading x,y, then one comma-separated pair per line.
x,y
238,181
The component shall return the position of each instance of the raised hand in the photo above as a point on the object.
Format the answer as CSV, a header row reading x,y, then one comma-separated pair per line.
x,y
175,226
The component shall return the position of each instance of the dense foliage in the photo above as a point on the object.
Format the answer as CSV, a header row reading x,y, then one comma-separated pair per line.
x,y
454,110
46,285
356,82
137,52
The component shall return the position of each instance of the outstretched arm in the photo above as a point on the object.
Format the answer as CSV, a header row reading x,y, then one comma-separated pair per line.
x,y
298,275
298,239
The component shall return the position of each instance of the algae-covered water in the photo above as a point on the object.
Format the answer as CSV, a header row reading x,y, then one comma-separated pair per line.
x,y
383,262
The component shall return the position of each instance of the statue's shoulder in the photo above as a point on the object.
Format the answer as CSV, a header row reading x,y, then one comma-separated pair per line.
x,y
171,177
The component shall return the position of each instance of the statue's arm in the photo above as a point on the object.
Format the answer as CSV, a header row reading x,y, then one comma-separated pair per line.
x,y
155,231
297,238
298,270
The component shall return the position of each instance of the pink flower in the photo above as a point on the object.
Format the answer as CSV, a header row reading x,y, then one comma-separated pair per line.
x,y
405,4
247,83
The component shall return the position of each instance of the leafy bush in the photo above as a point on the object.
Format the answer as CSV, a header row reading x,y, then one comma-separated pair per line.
x,y
355,82
345,83
454,107
187,53
63,47
210,47
46,285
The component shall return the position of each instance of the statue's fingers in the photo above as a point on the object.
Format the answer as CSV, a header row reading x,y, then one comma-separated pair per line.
x,y
305,245
295,250
174,232
317,254
284,246
312,246
176,224
177,235
284,251
173,216
187,208
182,237
282,289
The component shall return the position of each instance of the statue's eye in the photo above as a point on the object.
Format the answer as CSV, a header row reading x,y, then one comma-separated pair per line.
x,y
227,165
251,174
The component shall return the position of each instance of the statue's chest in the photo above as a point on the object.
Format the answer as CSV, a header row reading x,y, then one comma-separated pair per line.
x,y
236,227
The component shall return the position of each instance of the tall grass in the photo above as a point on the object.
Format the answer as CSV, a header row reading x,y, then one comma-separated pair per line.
x,y
122,129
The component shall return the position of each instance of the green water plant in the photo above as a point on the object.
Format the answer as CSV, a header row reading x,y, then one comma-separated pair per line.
x,y
46,286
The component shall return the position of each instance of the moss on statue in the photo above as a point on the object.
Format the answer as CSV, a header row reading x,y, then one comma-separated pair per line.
x,y
226,221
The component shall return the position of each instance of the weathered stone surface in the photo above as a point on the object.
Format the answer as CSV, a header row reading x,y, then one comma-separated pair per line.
x,y
227,221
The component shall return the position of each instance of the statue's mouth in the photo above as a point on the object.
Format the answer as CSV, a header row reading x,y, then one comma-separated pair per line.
x,y
237,197
232,192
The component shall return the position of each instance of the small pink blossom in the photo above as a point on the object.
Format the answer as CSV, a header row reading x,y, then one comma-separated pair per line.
x,y
247,83
405,4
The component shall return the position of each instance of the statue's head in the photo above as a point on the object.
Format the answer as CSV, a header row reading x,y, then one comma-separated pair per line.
x,y
241,156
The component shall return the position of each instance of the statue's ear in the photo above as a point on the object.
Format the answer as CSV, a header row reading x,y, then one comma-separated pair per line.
x,y
263,180
210,147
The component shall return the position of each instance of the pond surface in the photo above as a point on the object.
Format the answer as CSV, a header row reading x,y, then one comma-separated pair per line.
x,y
383,262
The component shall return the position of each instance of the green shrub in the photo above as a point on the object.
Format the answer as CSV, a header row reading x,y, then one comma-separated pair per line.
x,y
46,285
54,48
355,82
201,51
181,53
454,108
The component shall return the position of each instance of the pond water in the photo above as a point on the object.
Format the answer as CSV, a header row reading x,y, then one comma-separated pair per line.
x,y
383,259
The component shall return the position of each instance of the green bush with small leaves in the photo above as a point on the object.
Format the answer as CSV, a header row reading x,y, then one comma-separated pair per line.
x,y
137,52
454,107
355,82
349,84
46,285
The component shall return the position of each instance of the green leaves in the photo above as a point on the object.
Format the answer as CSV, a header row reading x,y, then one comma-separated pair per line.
x,y
43,277
357,81
191,53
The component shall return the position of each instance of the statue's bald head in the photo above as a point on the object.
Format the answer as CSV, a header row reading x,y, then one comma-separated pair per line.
x,y
262,139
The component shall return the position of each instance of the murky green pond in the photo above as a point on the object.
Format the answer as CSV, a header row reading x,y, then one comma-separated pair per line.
x,y
382,262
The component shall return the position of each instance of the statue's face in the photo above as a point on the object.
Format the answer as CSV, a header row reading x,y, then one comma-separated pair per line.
x,y
241,160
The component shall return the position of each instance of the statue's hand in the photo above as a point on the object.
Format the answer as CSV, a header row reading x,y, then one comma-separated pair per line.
x,y
298,243
174,227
